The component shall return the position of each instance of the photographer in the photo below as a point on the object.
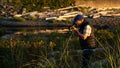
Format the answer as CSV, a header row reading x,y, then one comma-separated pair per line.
x,y
86,38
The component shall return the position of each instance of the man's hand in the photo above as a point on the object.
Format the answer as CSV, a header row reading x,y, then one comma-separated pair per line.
x,y
73,28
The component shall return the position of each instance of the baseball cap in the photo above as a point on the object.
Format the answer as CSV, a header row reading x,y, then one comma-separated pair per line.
x,y
77,17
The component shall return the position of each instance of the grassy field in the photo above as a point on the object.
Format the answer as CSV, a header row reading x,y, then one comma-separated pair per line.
x,y
32,51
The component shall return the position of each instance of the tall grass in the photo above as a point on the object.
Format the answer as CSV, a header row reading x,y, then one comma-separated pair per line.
x,y
111,44
32,51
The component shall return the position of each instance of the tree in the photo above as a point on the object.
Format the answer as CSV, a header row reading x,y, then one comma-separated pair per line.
x,y
32,5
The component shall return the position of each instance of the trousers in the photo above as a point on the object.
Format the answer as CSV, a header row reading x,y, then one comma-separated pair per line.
x,y
86,54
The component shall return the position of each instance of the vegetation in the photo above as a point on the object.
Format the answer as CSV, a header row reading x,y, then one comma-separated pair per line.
x,y
26,51
18,19
1,17
32,18
57,21
2,31
39,4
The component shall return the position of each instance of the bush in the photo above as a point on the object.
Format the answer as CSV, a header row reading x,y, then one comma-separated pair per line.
x,y
52,21
33,50
18,19
31,18
66,21
1,17
104,34
2,31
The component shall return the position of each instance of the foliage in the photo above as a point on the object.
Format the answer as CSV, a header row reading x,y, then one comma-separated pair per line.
x,y
52,21
26,51
2,31
18,19
1,17
103,35
57,21
32,18
40,4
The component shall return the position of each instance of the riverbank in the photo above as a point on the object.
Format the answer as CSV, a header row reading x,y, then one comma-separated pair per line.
x,y
97,22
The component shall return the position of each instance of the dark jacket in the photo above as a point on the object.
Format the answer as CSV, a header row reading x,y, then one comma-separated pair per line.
x,y
89,42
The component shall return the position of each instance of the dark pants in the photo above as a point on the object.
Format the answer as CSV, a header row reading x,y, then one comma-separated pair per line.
x,y
86,57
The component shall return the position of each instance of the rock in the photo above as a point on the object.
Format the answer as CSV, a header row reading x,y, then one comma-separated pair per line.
x,y
7,36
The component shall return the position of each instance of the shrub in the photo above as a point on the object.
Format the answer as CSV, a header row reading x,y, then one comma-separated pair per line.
x,y
31,18
66,21
1,17
34,50
18,19
52,21
104,35
2,31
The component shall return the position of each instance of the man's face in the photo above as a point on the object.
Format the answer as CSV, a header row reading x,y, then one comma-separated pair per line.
x,y
79,22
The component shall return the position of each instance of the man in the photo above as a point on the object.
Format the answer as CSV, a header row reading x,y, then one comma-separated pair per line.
x,y
86,38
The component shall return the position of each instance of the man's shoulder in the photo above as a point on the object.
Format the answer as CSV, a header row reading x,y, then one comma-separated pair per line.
x,y
88,26
86,23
